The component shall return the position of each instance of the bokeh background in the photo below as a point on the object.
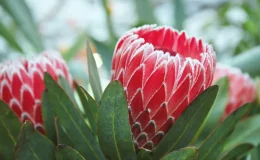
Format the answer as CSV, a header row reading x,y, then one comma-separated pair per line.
x,y
27,27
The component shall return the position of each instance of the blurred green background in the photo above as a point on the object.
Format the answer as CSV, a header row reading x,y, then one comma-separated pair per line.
x,y
28,27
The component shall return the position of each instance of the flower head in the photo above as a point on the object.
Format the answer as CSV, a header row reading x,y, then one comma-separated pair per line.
x,y
21,84
241,88
162,71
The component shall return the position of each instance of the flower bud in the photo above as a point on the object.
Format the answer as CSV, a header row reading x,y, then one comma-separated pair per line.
x,y
162,72
21,84
241,89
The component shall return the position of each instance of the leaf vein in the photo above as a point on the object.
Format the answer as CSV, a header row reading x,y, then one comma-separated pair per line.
x,y
77,127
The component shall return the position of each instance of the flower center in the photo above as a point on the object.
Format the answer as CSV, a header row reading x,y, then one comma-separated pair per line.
x,y
173,42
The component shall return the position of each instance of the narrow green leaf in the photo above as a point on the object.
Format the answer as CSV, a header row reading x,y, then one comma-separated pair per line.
x,y
220,103
188,153
187,125
9,131
33,145
64,152
237,151
113,125
90,106
10,39
247,61
67,87
48,117
94,79
48,110
75,48
72,121
62,136
214,143
217,110
144,155
23,18
255,153
246,131
145,11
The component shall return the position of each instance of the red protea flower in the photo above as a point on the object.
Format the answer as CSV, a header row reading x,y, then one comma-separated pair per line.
x,y
162,71
21,84
241,88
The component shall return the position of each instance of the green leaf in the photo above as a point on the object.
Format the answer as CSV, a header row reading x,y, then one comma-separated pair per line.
x,y
94,79
62,136
145,11
48,110
237,151
220,103
23,18
10,39
255,153
90,106
144,155
188,153
247,61
75,48
67,87
72,121
33,145
113,125
214,143
217,109
187,125
246,131
9,131
48,117
64,152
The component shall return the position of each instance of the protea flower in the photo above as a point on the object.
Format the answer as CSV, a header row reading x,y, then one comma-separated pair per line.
x,y
21,84
162,71
241,88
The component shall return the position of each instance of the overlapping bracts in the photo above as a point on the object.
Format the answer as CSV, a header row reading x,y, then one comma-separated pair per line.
x,y
241,87
162,71
21,84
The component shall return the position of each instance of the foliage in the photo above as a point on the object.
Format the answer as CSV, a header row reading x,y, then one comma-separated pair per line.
x,y
21,15
74,138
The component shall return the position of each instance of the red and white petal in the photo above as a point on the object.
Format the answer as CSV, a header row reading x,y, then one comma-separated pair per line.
x,y
161,76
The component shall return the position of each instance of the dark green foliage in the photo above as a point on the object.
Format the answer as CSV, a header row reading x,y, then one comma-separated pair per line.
x,y
32,145
114,132
9,130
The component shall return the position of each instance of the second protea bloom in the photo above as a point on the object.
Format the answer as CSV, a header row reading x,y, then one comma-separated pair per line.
x,y
162,71
241,87
21,84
